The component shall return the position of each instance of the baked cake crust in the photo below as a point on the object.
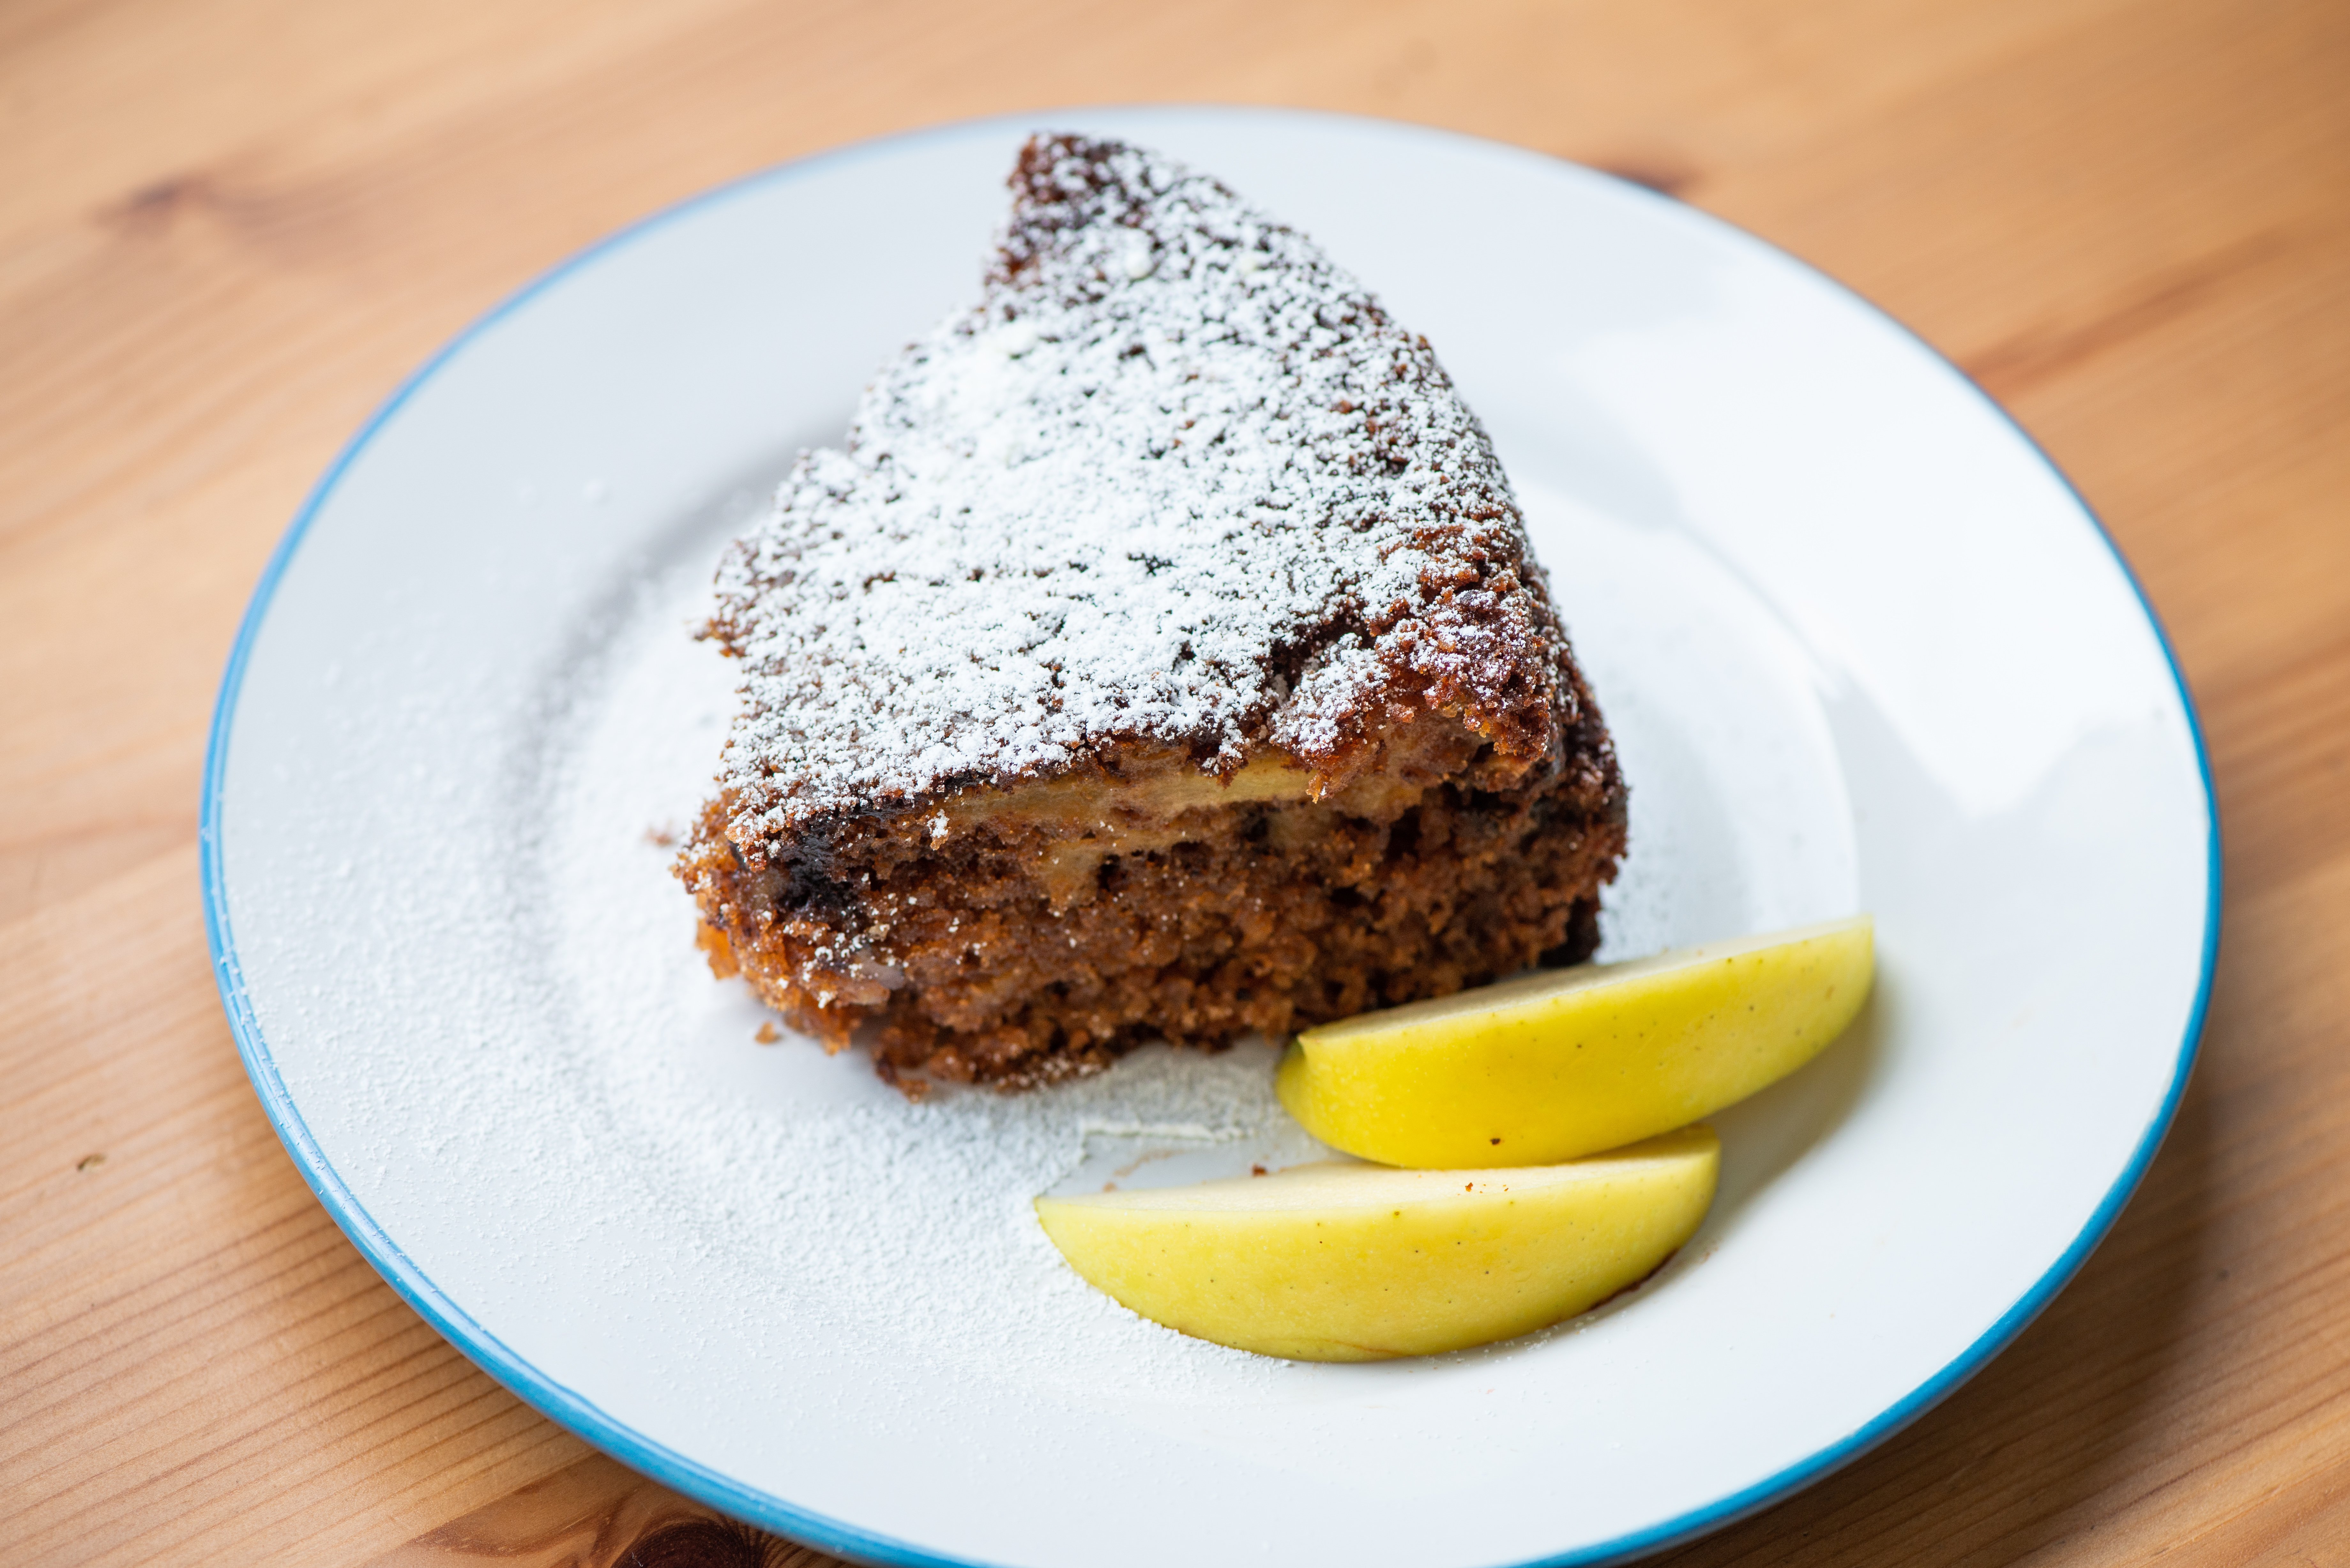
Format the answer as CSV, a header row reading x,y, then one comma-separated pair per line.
x,y
1160,657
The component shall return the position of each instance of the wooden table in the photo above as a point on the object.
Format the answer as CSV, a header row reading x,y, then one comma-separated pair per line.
x,y
228,227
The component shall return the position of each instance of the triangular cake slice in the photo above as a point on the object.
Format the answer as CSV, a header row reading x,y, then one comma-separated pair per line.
x,y
1161,658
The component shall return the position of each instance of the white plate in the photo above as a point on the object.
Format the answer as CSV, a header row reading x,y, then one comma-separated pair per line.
x,y
1861,647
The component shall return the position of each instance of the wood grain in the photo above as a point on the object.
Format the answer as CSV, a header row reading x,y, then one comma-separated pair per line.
x,y
597,1514
227,228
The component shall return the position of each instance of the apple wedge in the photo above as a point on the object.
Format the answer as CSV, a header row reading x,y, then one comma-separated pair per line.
x,y
1346,1262
1552,1066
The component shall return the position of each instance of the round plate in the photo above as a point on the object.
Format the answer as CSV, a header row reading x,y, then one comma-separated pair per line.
x,y
1861,647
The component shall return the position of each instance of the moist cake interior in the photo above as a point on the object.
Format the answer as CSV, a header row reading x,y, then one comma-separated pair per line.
x,y
1036,932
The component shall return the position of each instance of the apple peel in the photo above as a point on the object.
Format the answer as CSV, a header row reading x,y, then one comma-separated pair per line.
x,y
1342,1260
1558,1065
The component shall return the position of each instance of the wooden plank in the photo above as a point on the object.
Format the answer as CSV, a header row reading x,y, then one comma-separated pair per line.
x,y
597,1514
195,1363
227,227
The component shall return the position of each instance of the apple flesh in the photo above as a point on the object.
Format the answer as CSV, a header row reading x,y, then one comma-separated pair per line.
x,y
1555,1065
1348,1261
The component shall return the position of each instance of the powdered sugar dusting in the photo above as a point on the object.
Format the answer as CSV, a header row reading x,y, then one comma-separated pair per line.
x,y
1175,476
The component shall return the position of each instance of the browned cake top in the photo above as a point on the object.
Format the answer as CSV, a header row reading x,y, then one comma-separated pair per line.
x,y
1174,478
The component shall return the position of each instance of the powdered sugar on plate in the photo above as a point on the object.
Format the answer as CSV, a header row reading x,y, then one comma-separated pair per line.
x,y
909,1225
907,1229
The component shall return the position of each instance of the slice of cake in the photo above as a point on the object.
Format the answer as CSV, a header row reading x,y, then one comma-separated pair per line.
x,y
1161,658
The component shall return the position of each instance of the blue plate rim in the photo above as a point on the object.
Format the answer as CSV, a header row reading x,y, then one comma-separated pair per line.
x,y
837,1536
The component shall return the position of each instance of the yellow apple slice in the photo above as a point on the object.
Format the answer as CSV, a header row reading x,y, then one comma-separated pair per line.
x,y
1552,1066
1344,1261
